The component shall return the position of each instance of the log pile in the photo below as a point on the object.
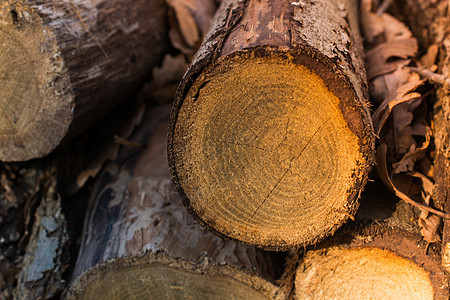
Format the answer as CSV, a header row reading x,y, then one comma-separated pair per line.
x,y
256,182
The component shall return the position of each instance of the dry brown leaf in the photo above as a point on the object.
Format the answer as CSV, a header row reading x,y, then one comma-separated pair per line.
x,y
394,29
372,24
186,22
427,184
403,94
407,163
429,227
428,60
382,170
165,79
381,58
383,86
189,22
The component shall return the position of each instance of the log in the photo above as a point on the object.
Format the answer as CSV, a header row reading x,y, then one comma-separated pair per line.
x,y
370,259
430,21
140,242
270,141
64,64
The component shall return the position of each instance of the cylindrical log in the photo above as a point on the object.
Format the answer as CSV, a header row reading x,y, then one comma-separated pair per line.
x,y
270,141
430,22
375,260
64,64
139,241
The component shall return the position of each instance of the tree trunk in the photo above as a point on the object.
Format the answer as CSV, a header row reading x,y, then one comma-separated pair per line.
x,y
139,241
378,257
270,140
64,64
430,22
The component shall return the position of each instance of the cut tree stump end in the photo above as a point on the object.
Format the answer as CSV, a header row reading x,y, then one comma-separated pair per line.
x,y
268,152
364,272
35,106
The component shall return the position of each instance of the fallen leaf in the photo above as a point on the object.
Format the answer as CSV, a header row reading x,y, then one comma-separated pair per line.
x,y
372,24
382,171
407,163
429,227
403,94
381,58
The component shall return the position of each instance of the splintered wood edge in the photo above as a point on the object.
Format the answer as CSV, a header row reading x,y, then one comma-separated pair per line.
x,y
36,103
159,276
345,105
420,271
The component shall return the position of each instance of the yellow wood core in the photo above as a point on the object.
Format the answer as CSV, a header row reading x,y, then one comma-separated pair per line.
x,y
163,282
360,273
263,152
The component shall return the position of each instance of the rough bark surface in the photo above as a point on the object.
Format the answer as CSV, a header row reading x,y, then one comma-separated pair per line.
x,y
64,64
138,238
255,52
430,22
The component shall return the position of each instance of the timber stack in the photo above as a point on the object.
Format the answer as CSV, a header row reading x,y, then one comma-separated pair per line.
x,y
270,140
268,146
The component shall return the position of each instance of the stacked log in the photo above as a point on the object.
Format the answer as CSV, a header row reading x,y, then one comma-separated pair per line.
x,y
64,64
380,256
139,242
270,140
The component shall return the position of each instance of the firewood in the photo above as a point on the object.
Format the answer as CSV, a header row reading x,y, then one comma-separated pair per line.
x,y
140,242
64,64
270,140
380,256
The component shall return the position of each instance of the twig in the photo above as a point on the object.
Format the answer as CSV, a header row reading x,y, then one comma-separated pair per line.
x,y
383,7
431,76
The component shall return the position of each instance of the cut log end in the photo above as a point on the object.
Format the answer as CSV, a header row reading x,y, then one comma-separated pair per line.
x,y
162,277
267,152
356,273
35,105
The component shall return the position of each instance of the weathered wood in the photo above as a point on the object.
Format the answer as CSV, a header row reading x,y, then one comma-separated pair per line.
x,y
270,140
380,256
139,241
64,64
430,22
41,276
